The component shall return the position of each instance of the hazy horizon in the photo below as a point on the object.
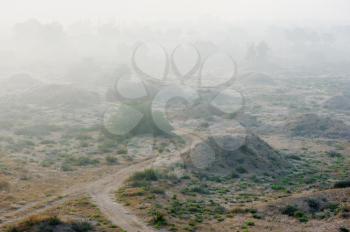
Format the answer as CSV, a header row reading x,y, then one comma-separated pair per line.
x,y
67,12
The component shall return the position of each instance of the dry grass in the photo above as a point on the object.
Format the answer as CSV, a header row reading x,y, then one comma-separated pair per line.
x,y
74,211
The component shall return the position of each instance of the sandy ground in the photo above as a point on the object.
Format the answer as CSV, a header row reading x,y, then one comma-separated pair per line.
x,y
100,191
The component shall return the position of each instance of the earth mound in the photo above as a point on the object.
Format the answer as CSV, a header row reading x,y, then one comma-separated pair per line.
x,y
341,102
19,82
235,154
258,79
130,120
59,95
314,126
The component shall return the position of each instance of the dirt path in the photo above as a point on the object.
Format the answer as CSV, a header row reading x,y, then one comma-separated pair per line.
x,y
30,210
102,193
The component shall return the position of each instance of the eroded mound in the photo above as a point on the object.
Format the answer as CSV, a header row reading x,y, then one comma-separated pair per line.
x,y
312,125
341,102
56,95
317,205
18,82
236,154
258,79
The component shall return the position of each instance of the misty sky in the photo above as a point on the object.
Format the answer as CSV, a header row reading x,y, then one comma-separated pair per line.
x,y
67,11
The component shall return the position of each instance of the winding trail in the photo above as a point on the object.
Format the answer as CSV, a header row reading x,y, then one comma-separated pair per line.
x,y
102,194
102,191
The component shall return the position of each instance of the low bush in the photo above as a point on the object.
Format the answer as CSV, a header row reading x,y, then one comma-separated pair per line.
x,y
48,224
147,175
81,161
294,157
342,184
37,130
157,190
82,226
196,188
111,160
241,170
301,216
66,167
157,218
234,175
334,154
4,185
313,204
289,210
294,211
277,187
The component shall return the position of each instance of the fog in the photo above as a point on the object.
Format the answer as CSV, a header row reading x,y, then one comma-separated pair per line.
x,y
67,11
50,39
178,115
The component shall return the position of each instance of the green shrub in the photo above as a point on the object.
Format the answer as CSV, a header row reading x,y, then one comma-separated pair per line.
x,y
66,167
147,175
84,161
4,186
83,137
241,170
258,215
313,204
333,206
82,227
12,229
201,189
197,208
50,224
342,184
234,175
294,157
47,162
46,142
334,154
122,151
157,218
157,190
249,223
81,161
37,130
293,211
107,145
277,187
301,216
53,221
289,210
111,160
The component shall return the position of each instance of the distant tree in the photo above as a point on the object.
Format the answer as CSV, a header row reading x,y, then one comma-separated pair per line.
x,y
251,54
262,50
257,55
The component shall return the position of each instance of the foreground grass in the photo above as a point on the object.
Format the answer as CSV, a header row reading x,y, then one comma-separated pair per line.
x,y
78,215
196,203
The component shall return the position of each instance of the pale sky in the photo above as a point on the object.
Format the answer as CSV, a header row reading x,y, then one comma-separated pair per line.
x,y
67,11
